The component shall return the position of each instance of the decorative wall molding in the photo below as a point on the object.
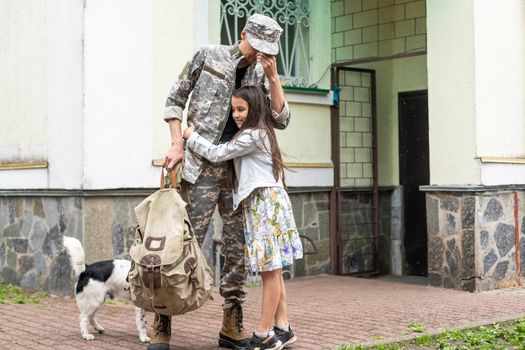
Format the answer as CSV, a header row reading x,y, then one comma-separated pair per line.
x,y
471,188
23,165
505,160
308,165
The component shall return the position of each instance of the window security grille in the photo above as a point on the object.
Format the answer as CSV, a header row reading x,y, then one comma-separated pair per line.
x,y
293,61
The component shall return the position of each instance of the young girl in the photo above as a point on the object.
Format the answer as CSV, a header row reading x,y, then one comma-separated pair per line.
x,y
272,240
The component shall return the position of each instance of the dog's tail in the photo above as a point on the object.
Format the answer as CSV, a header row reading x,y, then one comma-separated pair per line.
x,y
76,254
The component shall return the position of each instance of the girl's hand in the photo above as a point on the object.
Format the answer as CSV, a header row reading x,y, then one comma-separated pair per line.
x,y
189,130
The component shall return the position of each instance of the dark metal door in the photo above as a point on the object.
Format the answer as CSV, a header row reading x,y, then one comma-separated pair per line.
x,y
414,172
354,153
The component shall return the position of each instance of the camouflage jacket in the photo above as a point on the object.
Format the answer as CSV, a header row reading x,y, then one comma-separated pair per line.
x,y
210,75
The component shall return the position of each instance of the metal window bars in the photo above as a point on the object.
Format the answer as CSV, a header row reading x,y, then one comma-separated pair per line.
x,y
293,63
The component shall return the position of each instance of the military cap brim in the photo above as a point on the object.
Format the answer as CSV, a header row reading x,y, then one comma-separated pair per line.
x,y
266,47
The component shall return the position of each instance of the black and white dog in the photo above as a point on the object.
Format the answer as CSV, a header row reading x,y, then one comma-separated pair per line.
x,y
95,283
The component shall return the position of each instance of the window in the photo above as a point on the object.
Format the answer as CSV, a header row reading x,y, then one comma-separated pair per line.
x,y
293,61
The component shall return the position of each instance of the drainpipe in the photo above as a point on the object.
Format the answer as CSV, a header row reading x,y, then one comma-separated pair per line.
x,y
334,194
517,238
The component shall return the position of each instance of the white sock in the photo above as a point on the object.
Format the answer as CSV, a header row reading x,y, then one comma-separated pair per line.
x,y
285,328
264,335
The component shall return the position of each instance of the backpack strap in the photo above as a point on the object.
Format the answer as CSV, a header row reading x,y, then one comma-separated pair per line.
x,y
172,178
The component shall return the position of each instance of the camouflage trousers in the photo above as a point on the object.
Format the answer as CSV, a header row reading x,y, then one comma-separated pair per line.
x,y
211,189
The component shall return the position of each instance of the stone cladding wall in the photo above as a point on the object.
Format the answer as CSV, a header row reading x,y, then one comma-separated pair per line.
x,y
472,239
356,230
312,217
31,230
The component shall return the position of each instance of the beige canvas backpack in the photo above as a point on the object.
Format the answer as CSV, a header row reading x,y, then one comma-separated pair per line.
x,y
169,274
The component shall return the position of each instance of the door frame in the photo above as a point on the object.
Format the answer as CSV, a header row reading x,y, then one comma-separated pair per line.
x,y
335,195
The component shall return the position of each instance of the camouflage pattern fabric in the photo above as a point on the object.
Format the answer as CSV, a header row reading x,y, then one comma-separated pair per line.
x,y
212,188
210,75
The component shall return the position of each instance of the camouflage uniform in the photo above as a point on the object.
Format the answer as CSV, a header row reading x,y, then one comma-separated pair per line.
x,y
210,75
212,188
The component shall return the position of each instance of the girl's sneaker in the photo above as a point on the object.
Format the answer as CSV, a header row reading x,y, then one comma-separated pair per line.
x,y
269,343
285,336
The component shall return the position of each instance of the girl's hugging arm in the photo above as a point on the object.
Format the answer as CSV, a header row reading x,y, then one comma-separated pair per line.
x,y
243,144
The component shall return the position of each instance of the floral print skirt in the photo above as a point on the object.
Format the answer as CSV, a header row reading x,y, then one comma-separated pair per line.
x,y
272,240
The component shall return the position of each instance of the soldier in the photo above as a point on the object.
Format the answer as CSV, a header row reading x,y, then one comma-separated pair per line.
x,y
212,75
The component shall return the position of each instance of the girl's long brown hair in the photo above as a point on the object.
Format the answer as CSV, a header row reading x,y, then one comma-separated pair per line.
x,y
260,117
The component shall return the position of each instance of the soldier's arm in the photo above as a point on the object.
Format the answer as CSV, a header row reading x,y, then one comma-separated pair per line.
x,y
280,109
181,89
176,152
175,104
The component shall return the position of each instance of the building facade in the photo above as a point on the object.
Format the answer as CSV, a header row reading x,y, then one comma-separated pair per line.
x,y
406,145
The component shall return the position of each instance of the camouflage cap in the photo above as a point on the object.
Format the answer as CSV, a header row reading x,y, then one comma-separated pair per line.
x,y
263,34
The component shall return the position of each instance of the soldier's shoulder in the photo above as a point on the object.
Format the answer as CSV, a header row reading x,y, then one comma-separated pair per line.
x,y
214,49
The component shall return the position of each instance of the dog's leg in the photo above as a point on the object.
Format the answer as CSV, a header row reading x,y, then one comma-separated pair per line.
x,y
140,320
86,310
95,324
88,304
84,319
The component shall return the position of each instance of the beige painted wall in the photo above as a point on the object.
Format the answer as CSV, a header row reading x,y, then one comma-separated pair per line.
x,y
173,45
393,77
23,82
451,85
500,78
320,28
307,138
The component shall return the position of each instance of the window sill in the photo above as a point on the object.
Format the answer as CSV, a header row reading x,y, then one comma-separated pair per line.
x,y
306,90
312,96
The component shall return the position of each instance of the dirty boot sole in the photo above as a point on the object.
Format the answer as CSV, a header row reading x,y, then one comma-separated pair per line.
x,y
229,343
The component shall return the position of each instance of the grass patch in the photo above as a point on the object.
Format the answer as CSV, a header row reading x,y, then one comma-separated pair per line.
x,y
417,327
117,301
498,336
10,294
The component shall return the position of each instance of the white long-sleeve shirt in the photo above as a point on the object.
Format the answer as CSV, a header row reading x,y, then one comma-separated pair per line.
x,y
252,162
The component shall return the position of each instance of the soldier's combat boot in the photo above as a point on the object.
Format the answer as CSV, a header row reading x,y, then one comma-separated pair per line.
x,y
161,333
233,335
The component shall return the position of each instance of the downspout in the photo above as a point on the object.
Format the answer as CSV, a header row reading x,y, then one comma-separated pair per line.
x,y
517,238
335,257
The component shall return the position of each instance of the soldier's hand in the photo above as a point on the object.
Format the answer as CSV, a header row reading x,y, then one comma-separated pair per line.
x,y
269,65
174,156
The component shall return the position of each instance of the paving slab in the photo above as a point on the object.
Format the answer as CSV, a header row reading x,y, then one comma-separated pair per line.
x,y
326,311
